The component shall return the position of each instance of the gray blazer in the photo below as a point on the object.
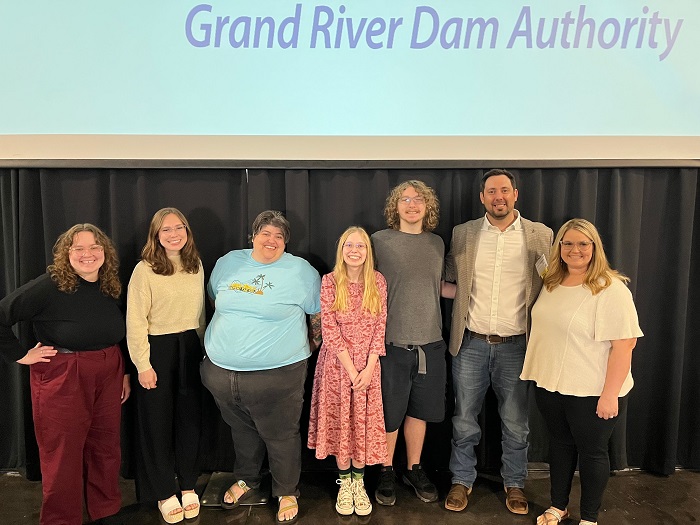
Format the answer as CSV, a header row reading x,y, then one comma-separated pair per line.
x,y
459,268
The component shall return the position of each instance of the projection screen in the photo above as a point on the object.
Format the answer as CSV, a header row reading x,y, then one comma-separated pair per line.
x,y
268,81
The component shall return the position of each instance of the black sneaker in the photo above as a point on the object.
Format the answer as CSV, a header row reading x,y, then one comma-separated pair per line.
x,y
386,487
425,489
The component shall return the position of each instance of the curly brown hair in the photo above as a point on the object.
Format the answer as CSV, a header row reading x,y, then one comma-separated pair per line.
x,y
432,205
63,274
154,253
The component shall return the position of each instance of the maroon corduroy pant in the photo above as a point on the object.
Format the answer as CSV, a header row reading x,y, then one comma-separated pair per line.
x,y
76,402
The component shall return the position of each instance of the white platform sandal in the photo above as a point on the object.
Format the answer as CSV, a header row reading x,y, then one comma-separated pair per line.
x,y
168,507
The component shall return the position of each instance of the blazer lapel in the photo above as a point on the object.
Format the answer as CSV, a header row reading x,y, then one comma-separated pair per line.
x,y
471,245
530,248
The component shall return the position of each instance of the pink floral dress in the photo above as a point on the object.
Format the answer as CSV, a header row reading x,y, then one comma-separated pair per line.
x,y
345,423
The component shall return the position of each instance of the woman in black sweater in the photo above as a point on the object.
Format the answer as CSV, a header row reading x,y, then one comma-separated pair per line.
x,y
76,373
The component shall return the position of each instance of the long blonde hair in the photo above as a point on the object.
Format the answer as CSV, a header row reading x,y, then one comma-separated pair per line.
x,y
599,274
63,273
371,300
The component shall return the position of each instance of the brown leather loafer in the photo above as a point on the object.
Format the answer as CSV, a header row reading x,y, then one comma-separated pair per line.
x,y
516,502
458,497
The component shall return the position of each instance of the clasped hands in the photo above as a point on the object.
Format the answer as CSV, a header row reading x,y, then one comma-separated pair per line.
x,y
362,380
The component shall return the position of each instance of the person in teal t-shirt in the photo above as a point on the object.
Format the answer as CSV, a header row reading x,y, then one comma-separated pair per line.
x,y
257,346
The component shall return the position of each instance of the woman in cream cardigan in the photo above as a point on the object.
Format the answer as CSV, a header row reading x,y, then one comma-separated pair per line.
x,y
584,328
164,324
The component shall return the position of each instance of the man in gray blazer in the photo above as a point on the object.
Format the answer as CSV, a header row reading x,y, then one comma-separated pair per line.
x,y
493,260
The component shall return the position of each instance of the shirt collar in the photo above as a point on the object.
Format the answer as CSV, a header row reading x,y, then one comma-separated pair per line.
x,y
516,226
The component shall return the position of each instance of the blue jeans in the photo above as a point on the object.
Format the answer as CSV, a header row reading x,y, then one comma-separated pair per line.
x,y
478,365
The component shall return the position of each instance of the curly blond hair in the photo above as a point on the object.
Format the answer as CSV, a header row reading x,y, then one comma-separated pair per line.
x,y
432,205
63,273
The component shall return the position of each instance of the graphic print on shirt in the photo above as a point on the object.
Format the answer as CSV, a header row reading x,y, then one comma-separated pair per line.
x,y
255,287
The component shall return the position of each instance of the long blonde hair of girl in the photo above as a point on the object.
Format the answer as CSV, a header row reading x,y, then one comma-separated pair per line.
x,y
371,300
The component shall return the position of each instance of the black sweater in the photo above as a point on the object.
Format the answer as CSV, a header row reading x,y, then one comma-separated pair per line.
x,y
81,321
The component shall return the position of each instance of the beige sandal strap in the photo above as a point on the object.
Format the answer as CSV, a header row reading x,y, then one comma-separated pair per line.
x,y
170,507
190,498
556,514
242,484
293,505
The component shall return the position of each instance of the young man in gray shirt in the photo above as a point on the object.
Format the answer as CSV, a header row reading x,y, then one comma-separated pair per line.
x,y
413,371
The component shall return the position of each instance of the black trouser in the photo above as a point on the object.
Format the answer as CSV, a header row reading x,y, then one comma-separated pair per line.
x,y
263,409
169,418
577,434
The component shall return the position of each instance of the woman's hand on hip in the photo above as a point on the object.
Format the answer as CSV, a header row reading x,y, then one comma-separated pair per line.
x,y
38,354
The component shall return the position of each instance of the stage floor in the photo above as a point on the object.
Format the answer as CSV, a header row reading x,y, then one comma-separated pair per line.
x,y
632,498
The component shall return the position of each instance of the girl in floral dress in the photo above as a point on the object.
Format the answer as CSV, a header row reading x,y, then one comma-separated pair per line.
x,y
347,416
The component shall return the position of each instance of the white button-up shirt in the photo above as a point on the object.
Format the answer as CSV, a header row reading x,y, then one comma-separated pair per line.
x,y
497,305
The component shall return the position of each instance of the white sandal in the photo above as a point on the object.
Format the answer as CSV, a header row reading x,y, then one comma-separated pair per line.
x,y
555,516
168,506
190,498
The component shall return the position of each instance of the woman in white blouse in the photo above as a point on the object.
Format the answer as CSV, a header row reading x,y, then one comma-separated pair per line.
x,y
584,328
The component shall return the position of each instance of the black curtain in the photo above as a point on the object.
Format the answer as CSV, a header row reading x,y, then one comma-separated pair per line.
x,y
646,217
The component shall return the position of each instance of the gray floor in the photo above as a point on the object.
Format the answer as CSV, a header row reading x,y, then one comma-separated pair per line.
x,y
632,498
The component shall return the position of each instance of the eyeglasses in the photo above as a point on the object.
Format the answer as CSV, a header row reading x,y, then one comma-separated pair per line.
x,y
95,248
418,200
581,245
356,245
177,229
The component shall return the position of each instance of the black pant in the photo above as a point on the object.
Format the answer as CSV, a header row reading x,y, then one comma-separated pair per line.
x,y
169,418
577,434
263,409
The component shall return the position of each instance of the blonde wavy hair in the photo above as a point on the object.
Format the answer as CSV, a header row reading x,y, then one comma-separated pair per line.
x,y
599,274
154,253
432,205
371,300
63,273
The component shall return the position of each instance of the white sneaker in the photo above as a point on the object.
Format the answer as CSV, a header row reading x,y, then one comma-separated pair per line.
x,y
344,503
363,506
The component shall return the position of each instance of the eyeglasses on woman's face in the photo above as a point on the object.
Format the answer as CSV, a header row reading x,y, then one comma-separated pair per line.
x,y
177,229
94,249
581,245
355,245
